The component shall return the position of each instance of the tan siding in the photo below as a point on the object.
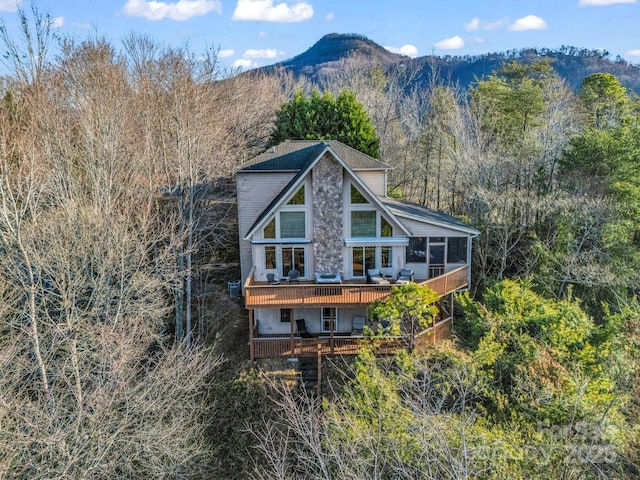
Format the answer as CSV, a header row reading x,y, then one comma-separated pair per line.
x,y
255,193
375,180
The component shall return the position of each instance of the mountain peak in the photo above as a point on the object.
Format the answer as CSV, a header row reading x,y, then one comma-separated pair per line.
x,y
327,53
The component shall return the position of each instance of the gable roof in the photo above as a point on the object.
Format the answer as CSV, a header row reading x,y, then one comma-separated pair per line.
x,y
419,213
301,156
293,155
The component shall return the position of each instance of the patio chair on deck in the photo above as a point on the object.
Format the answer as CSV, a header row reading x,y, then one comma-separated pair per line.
x,y
358,325
273,279
294,276
405,276
302,328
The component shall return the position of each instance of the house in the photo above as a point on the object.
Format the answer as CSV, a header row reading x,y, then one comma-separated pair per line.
x,y
320,240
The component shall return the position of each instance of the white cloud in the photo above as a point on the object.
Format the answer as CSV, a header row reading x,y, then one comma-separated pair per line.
x,y
262,53
452,43
226,53
600,3
9,5
243,63
530,22
473,25
179,11
477,24
408,50
265,11
57,22
477,40
330,16
633,53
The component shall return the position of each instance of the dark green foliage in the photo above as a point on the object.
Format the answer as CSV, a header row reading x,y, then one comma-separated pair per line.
x,y
325,117
538,354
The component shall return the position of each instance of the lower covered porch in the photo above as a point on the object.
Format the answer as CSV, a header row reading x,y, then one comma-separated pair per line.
x,y
305,339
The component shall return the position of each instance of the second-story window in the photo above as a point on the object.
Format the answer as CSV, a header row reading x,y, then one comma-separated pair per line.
x,y
363,223
290,221
289,224
292,224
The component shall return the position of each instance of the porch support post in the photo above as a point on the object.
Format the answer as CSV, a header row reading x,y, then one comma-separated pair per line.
x,y
292,343
319,378
451,309
331,323
251,345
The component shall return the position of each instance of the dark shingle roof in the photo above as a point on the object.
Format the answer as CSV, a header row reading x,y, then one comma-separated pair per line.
x,y
402,208
294,155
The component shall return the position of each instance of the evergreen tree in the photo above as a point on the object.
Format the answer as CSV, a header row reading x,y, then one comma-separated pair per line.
x,y
325,117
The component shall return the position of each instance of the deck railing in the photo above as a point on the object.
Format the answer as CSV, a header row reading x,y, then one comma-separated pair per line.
x,y
310,295
286,347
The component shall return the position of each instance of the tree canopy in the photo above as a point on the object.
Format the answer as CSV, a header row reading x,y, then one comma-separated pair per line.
x,y
326,117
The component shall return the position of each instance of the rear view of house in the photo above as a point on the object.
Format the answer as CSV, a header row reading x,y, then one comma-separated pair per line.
x,y
320,240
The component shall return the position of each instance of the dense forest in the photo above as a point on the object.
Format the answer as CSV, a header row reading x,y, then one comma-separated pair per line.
x,y
122,355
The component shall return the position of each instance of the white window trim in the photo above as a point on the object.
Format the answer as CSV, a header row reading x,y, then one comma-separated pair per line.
x,y
279,263
322,319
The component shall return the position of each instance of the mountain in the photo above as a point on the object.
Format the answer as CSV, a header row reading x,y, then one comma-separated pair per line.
x,y
573,64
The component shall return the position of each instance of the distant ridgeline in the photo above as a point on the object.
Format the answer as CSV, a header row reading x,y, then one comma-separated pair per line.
x,y
571,63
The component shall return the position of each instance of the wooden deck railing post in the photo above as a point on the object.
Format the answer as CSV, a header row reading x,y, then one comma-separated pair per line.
x,y
251,345
331,336
292,345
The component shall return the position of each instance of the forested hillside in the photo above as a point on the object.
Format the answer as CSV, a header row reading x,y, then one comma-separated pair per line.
x,y
123,357
327,56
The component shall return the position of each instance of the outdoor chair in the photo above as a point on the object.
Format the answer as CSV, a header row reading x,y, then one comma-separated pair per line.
x,y
405,276
374,276
273,279
294,276
358,325
302,328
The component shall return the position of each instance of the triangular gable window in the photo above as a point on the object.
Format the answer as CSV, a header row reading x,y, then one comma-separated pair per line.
x,y
356,196
298,198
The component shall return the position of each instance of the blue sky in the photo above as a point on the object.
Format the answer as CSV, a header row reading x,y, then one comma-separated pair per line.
x,y
251,33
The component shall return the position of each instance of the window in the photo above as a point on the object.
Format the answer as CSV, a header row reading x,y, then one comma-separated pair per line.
x,y
363,259
285,258
292,224
285,315
363,223
385,228
356,196
385,254
329,316
298,198
270,257
457,250
270,229
293,257
436,239
416,250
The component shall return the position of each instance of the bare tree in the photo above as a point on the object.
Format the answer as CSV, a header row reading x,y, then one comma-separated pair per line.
x,y
91,387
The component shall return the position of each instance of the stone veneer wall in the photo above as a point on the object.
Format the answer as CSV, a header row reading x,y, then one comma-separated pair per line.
x,y
327,215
